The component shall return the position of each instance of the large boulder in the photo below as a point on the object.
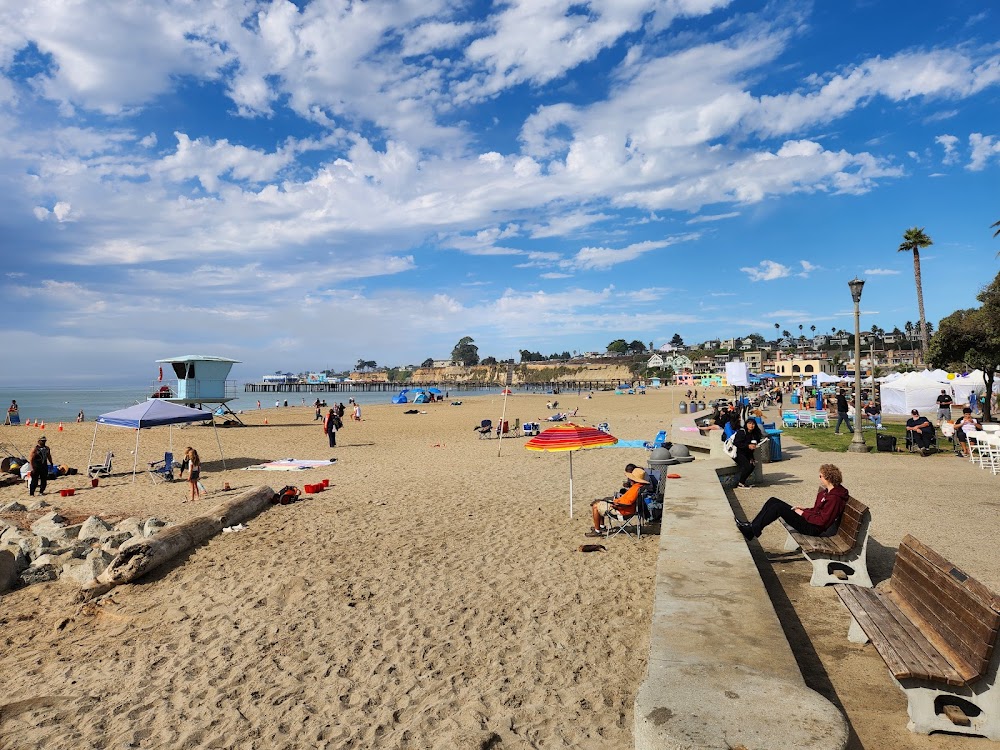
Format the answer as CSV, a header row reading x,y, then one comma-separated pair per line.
x,y
51,525
14,507
21,559
39,505
39,574
93,528
132,525
152,526
11,534
86,570
8,570
112,540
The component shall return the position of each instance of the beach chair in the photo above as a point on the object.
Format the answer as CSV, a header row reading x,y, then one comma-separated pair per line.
x,y
821,419
515,430
803,419
484,429
789,419
623,520
162,470
101,470
660,439
503,428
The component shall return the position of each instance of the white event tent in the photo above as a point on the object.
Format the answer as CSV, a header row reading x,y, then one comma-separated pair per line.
x,y
913,390
963,385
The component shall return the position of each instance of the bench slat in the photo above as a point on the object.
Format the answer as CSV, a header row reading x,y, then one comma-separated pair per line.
x,y
901,645
833,545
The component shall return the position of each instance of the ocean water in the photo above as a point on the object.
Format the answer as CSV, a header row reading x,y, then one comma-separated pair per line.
x,y
54,405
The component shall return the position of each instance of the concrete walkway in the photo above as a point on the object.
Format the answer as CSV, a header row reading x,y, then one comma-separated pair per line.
x,y
721,672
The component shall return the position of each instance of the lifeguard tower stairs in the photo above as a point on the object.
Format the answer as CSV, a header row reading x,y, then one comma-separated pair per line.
x,y
200,381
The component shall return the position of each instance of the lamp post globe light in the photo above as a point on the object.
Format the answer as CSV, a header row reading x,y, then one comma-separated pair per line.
x,y
857,440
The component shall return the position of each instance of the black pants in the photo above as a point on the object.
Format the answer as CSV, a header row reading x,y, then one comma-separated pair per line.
x,y
39,477
333,439
922,438
774,509
745,464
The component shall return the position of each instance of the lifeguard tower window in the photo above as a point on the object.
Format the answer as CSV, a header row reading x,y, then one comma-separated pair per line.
x,y
183,370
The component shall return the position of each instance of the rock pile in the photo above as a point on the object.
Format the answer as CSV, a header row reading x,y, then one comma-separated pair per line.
x,y
55,548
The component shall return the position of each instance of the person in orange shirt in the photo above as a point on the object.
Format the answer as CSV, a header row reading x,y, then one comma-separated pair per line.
x,y
635,479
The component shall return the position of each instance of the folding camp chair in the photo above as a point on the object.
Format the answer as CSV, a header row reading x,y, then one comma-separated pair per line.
x,y
484,429
515,429
621,519
162,470
101,470
503,428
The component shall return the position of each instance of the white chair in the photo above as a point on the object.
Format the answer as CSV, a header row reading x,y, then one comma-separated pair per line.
x,y
989,451
803,419
101,470
821,419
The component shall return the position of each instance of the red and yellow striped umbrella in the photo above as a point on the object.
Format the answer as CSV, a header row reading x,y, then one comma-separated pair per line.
x,y
570,437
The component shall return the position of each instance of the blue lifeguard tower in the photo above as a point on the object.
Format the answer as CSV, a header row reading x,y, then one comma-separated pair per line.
x,y
200,380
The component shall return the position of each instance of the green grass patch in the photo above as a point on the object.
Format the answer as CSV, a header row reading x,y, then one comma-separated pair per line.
x,y
824,439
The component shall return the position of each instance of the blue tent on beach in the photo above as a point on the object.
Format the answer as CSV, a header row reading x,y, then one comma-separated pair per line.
x,y
153,413
400,398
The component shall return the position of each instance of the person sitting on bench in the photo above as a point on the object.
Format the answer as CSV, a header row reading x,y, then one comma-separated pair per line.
x,y
921,432
814,521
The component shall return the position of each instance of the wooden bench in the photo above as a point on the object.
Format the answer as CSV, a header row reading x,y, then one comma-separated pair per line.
x,y
843,557
935,627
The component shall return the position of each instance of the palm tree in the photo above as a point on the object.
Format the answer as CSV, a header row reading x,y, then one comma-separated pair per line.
x,y
996,233
914,239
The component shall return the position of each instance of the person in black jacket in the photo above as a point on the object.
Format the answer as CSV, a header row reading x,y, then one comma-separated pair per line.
x,y
842,410
746,441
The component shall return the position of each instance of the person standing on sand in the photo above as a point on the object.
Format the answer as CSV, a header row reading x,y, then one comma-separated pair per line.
x,y
319,413
331,424
80,417
40,459
193,464
357,412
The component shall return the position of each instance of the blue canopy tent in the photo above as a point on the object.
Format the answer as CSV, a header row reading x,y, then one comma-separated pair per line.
x,y
400,398
153,413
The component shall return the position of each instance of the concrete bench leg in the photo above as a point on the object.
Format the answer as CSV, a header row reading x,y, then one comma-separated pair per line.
x,y
855,634
790,544
856,570
926,702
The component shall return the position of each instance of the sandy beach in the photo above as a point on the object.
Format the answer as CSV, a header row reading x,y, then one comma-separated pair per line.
x,y
432,597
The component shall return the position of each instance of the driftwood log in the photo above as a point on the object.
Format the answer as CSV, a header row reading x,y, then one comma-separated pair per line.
x,y
140,555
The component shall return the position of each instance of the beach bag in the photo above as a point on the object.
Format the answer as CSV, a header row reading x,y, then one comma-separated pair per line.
x,y
885,443
284,496
730,447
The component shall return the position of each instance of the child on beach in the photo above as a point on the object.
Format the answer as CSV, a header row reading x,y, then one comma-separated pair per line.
x,y
193,464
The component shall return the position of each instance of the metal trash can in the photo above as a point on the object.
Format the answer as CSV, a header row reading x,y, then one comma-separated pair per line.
x,y
701,406
775,436
684,407
693,407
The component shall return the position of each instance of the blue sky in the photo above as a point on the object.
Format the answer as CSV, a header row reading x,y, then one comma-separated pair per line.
x,y
299,186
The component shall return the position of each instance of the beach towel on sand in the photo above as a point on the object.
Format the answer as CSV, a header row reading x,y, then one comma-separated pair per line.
x,y
290,464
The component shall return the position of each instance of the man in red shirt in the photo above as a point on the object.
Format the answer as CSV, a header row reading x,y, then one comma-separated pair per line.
x,y
825,512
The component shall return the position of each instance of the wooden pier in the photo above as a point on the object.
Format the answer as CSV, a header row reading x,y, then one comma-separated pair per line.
x,y
565,386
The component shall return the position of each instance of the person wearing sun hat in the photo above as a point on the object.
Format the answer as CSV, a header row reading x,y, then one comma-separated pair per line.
x,y
40,459
636,480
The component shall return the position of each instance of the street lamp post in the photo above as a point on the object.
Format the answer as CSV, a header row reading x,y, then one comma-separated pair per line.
x,y
857,441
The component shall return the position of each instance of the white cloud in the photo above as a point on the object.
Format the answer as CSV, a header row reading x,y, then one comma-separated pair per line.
x,y
948,143
713,217
807,268
880,272
984,148
767,270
